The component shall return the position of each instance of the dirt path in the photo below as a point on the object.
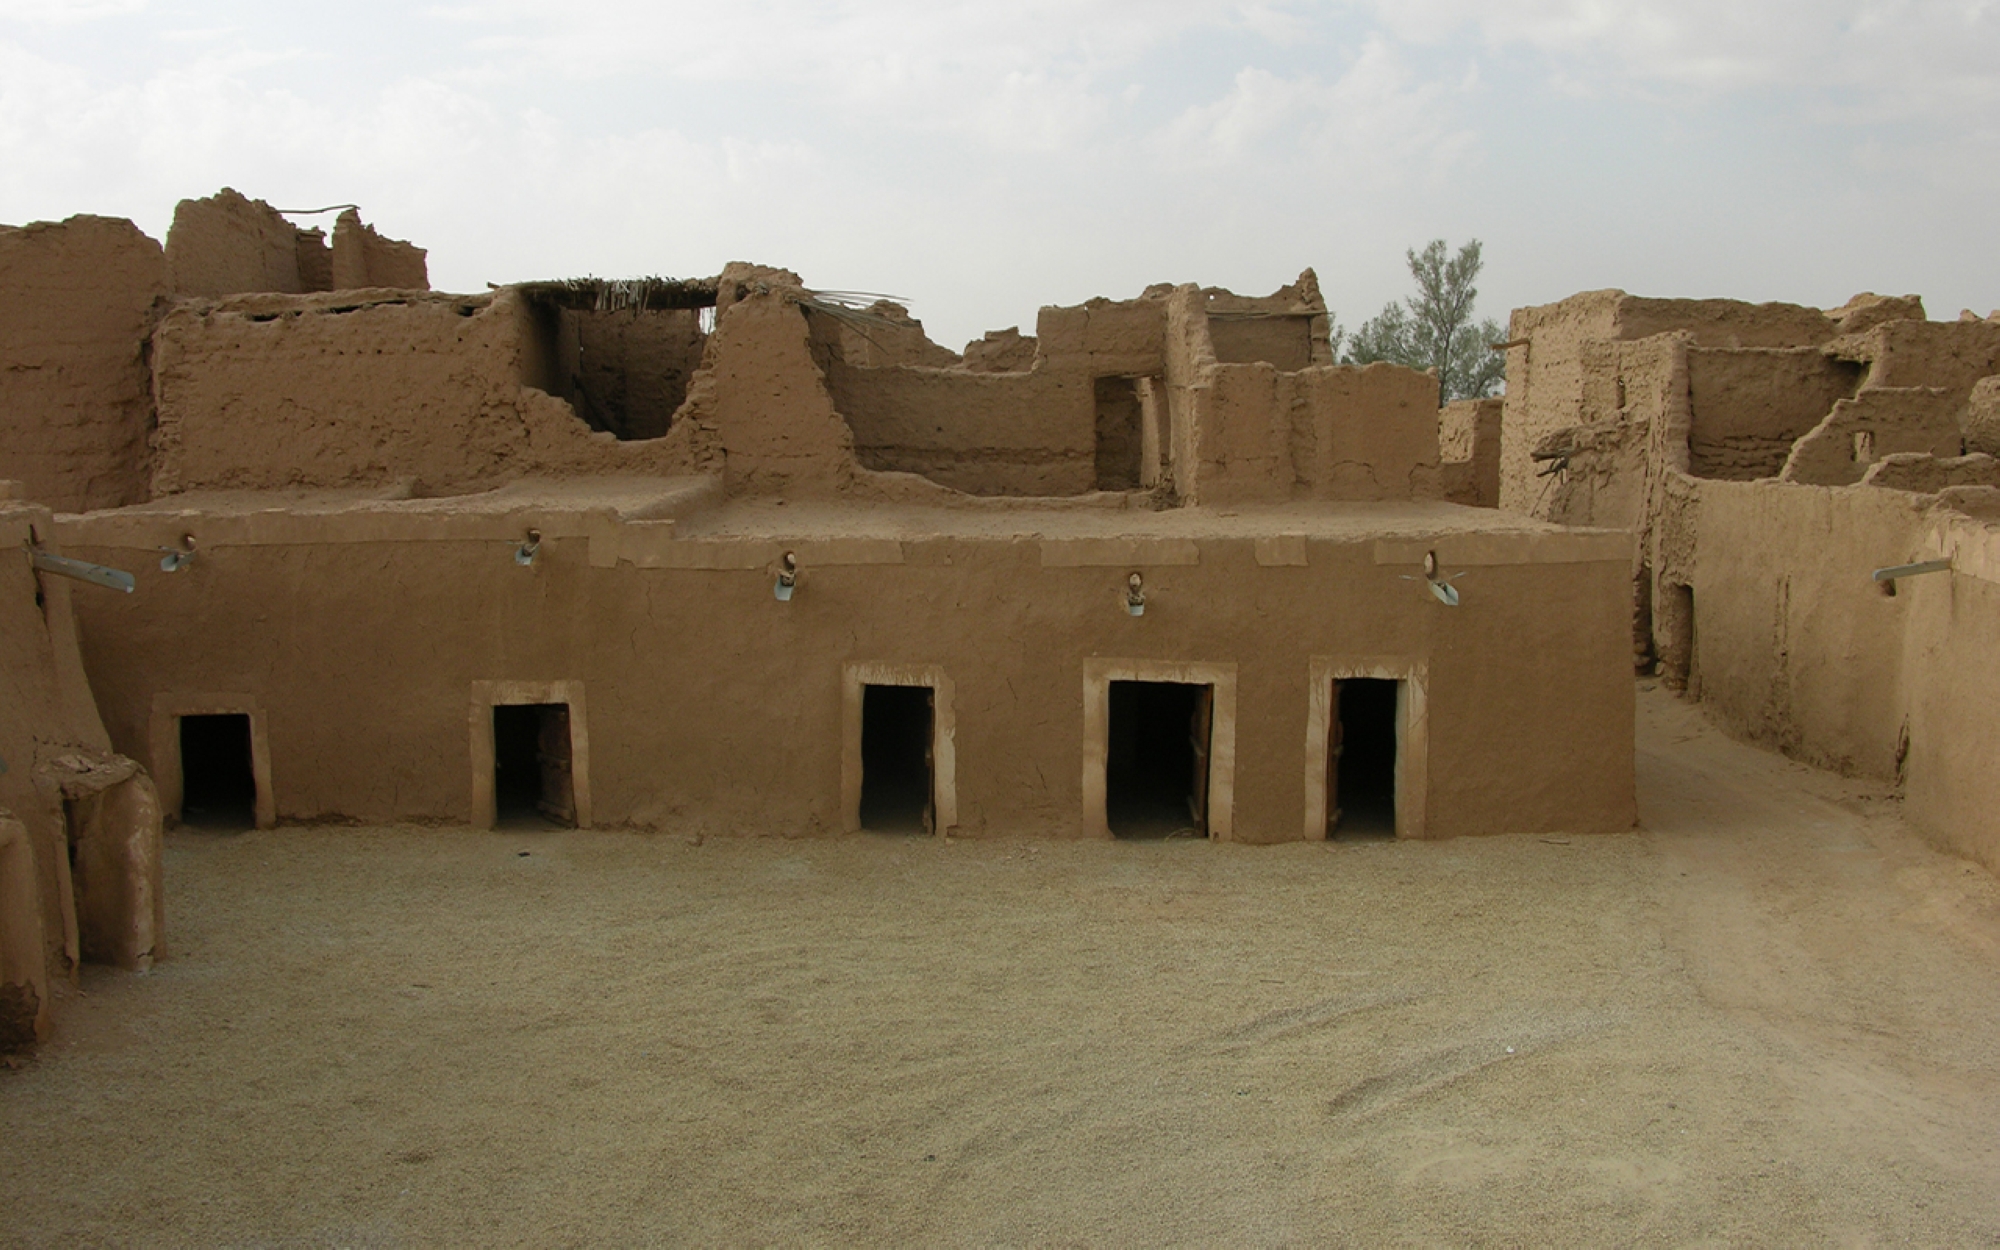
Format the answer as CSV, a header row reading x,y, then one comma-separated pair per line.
x,y
1774,1017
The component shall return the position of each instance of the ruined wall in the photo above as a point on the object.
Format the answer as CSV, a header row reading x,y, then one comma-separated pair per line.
x,y
1105,338
258,392
1949,354
1877,422
57,760
1288,328
982,433
713,707
1564,368
363,258
1332,432
228,244
1469,451
1725,322
1748,406
625,372
76,306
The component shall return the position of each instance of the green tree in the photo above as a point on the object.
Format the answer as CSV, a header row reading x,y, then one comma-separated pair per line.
x,y
1434,329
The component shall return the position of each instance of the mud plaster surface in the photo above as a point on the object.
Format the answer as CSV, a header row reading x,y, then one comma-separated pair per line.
x,y
1770,1017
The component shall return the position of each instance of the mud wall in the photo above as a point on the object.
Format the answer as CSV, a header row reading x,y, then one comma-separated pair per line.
x,y
77,301
363,258
259,392
627,372
1331,432
713,707
57,759
1748,406
1794,645
1469,451
1953,686
982,433
1564,368
229,244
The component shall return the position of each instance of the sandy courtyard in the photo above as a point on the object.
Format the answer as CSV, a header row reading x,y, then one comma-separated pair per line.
x,y
1773,1016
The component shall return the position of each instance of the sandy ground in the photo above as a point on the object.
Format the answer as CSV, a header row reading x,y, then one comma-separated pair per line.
x,y
1771,1017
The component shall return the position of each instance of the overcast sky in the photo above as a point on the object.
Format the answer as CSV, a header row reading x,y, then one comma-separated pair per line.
x,y
983,159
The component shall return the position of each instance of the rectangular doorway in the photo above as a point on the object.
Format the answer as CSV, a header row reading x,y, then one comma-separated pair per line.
x,y
1361,758
898,770
218,774
533,779
1156,759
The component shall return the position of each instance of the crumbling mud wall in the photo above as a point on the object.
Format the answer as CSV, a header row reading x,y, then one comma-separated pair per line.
x,y
77,302
363,258
79,825
1469,452
982,433
625,372
736,725
228,244
1563,362
1330,432
1288,329
1748,406
261,392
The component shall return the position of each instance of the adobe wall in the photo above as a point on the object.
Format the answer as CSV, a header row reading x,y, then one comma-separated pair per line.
x,y
1330,432
1288,328
982,433
1877,422
56,754
625,372
228,244
77,302
257,392
1469,451
1749,406
363,258
1953,685
713,707
1794,645
1565,360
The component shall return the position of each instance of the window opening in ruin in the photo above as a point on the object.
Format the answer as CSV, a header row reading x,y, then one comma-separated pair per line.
x,y
1156,759
897,767
532,783
1361,758
625,367
1120,433
218,779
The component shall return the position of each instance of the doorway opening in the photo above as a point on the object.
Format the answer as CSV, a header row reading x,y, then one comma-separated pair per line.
x,y
1156,759
1361,758
897,767
218,777
532,781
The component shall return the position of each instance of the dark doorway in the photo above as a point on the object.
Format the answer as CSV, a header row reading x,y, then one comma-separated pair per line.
x,y
1120,441
218,780
896,759
531,766
1361,763
1156,759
